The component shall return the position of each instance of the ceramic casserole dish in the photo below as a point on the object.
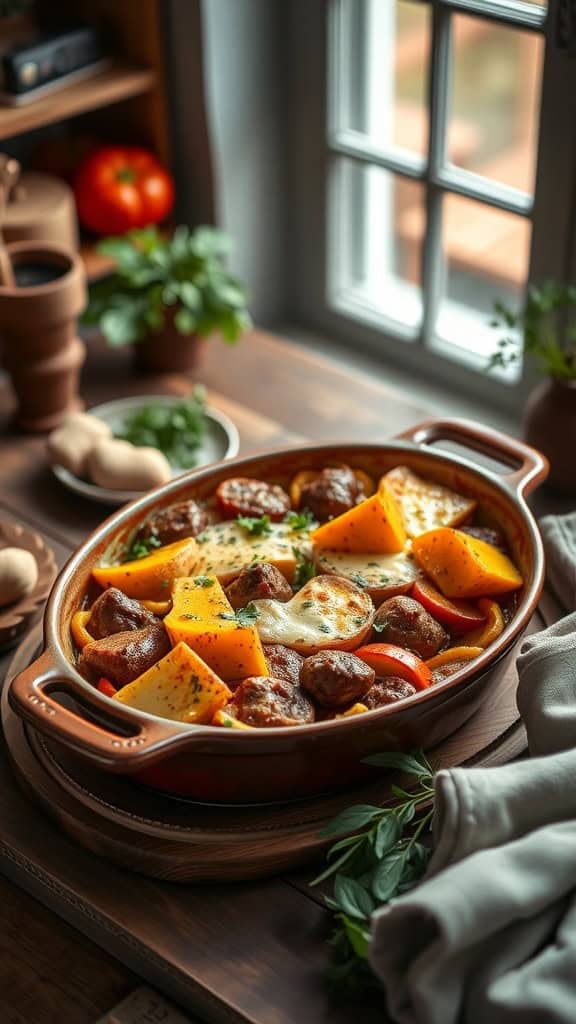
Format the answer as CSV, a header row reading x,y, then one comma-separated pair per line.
x,y
217,764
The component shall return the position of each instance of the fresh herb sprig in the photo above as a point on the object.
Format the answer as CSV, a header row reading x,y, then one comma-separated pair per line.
x,y
298,521
379,856
305,570
247,616
545,329
176,429
141,547
256,526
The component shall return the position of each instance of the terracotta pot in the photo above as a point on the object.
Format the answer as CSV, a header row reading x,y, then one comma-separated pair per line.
x,y
550,425
40,349
230,765
168,351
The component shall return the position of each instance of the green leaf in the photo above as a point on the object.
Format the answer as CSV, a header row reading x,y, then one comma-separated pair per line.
x,y
255,526
190,296
185,321
335,866
406,814
298,521
121,325
122,251
352,898
388,832
247,616
358,937
409,763
353,818
387,875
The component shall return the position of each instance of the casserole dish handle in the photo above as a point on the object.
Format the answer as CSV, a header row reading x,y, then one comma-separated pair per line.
x,y
529,467
115,737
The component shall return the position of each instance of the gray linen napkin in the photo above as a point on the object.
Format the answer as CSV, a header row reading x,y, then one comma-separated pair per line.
x,y
489,936
559,533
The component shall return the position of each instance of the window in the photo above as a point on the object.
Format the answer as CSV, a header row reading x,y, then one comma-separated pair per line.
x,y
436,201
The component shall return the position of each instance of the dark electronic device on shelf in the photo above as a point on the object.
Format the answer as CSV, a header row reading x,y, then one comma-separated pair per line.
x,y
50,62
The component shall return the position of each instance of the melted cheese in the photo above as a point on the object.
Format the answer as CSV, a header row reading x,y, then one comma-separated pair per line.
x,y
373,572
328,612
426,505
227,548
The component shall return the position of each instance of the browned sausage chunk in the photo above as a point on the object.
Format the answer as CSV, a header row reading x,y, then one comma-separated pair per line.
x,y
242,496
407,624
187,519
256,581
387,691
336,678
123,657
283,662
334,491
267,702
487,534
113,612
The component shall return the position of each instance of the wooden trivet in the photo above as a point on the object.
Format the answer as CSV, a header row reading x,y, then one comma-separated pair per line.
x,y
181,841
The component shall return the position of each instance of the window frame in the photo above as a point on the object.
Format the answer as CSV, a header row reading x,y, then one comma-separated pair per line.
x,y
317,142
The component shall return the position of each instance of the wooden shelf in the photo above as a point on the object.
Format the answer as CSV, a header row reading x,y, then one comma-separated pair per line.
x,y
119,82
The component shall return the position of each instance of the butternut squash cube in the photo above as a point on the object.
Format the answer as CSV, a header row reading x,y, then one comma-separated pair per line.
x,y
375,525
180,686
150,577
202,617
463,566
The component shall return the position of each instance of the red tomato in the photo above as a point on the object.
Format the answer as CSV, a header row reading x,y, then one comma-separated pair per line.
x,y
389,660
106,687
459,616
122,187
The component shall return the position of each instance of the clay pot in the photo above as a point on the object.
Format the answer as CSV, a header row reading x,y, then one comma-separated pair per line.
x,y
168,351
40,349
550,425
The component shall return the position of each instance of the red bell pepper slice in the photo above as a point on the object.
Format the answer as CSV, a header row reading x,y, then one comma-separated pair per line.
x,y
389,660
458,616
106,687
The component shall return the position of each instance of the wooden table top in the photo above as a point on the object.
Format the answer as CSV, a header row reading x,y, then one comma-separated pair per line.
x,y
276,393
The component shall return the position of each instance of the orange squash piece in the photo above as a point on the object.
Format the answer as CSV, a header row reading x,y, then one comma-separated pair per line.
x,y
462,566
202,617
453,654
151,577
375,525
180,686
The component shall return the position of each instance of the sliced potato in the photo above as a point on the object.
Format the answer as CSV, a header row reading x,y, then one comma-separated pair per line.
x,y
328,613
380,576
425,505
226,548
180,686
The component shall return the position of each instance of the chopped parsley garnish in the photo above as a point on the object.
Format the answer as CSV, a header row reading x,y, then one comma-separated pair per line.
x,y
359,620
165,584
373,564
305,570
247,616
189,615
380,627
307,604
255,527
203,581
358,579
324,628
300,520
142,547
202,537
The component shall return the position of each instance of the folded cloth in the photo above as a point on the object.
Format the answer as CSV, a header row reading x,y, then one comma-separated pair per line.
x,y
559,534
489,936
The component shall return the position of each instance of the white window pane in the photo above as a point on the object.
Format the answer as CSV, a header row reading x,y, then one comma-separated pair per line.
x,y
374,260
486,254
495,100
382,71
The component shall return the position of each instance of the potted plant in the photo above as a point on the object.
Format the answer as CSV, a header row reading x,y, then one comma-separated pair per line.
x,y
166,294
545,330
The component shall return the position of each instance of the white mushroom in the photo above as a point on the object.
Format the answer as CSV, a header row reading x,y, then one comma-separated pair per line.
x,y
71,443
18,574
122,466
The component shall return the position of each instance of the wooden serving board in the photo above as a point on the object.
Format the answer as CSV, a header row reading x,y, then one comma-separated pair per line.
x,y
182,841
